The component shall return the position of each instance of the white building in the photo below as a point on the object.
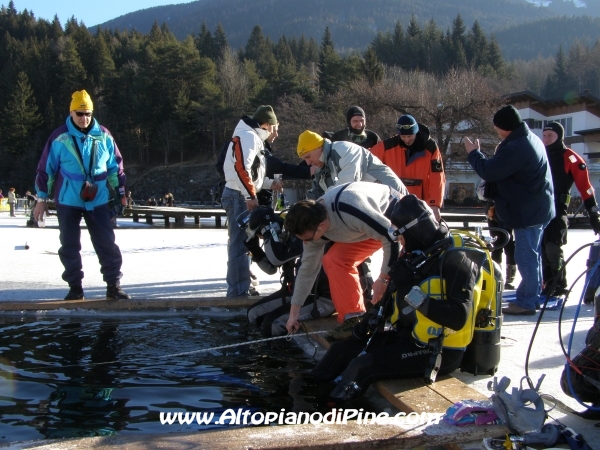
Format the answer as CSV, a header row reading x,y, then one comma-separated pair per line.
x,y
580,117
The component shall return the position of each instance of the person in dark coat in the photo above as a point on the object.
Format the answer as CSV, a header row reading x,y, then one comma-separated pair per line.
x,y
519,181
356,132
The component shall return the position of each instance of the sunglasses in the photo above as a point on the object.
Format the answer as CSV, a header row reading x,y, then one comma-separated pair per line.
x,y
405,127
81,114
312,238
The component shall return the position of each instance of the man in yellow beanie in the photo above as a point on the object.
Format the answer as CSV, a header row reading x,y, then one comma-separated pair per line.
x,y
342,162
78,163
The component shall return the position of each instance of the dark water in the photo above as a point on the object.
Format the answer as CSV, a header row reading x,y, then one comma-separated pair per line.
x,y
51,385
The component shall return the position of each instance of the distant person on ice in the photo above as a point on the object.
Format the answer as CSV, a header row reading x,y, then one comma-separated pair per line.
x,y
78,160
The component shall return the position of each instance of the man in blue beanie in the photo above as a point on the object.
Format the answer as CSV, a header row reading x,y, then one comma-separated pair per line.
x,y
519,181
415,157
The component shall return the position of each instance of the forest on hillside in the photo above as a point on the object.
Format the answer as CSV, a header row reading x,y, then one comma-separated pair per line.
x,y
523,30
171,101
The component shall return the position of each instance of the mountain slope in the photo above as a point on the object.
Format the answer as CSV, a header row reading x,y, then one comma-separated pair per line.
x,y
354,23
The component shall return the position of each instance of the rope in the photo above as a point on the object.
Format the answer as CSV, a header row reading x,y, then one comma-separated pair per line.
x,y
287,337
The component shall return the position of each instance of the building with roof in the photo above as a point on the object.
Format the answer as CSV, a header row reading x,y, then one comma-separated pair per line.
x,y
579,115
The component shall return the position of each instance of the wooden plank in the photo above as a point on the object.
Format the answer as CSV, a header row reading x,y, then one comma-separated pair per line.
x,y
412,395
455,390
352,435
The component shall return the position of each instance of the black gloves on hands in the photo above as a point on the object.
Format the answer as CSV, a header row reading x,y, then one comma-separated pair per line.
x,y
116,201
402,273
367,325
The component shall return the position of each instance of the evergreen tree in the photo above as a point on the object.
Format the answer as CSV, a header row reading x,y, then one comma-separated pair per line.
x,y
383,47
477,47
495,58
204,42
220,43
397,44
19,118
328,66
559,82
372,68
156,35
71,73
412,57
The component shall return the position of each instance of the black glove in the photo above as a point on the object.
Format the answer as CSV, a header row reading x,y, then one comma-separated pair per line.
x,y
116,201
367,325
595,222
402,273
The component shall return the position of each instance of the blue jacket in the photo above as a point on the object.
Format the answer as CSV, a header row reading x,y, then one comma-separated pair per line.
x,y
518,179
61,172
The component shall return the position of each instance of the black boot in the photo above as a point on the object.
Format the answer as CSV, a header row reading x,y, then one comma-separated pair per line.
x,y
511,271
345,392
114,292
75,292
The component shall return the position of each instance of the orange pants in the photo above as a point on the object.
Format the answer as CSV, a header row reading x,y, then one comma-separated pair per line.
x,y
341,266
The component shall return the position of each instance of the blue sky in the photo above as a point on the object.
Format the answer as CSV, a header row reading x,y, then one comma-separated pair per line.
x,y
91,12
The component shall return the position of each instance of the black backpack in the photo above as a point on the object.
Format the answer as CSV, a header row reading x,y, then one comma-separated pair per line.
x,y
221,159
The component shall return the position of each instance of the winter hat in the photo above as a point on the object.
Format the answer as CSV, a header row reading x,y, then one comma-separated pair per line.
x,y
309,141
81,100
557,128
507,118
407,125
265,114
354,111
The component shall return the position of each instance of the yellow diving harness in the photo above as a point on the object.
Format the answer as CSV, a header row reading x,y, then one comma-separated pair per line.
x,y
484,315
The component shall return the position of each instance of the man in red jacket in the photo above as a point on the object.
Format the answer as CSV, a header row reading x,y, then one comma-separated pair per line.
x,y
567,167
415,157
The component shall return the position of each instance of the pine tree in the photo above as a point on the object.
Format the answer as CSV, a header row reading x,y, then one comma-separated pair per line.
x,y
412,56
204,42
495,58
477,46
559,82
328,66
155,33
20,117
220,43
372,68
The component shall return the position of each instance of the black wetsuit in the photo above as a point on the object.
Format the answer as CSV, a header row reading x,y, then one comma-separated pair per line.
x,y
395,353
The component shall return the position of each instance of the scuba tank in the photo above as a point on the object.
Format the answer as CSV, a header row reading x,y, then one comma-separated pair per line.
x,y
483,353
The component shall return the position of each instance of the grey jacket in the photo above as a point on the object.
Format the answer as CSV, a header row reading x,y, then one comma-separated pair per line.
x,y
346,162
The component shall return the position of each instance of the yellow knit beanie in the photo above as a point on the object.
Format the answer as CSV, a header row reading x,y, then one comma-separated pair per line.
x,y
81,100
309,141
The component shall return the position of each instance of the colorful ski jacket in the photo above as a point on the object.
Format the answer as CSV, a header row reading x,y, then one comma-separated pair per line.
x,y
63,168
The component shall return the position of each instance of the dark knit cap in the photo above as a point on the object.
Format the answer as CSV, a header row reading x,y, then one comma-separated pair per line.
x,y
354,111
265,114
557,128
407,125
507,118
